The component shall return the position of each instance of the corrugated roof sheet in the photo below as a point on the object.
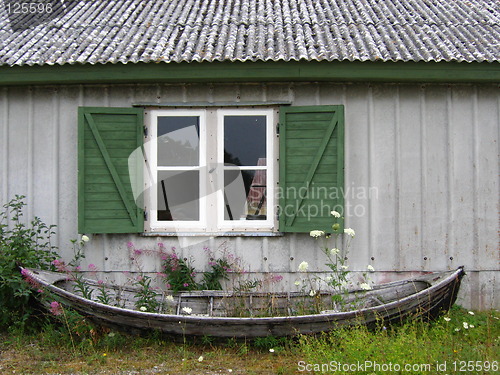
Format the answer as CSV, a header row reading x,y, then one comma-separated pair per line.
x,y
131,31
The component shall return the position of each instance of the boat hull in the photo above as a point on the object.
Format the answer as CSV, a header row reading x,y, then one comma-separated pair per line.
x,y
426,296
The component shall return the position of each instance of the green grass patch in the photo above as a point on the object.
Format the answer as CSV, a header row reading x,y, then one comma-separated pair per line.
x,y
459,342
72,346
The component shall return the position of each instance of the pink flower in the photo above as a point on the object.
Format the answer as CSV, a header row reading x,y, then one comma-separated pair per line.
x,y
92,267
60,265
137,251
130,244
30,280
56,308
185,285
276,278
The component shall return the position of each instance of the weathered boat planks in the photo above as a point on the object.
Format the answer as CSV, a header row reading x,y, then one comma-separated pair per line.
x,y
231,314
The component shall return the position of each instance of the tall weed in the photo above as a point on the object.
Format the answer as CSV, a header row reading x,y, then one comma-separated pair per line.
x,y
21,245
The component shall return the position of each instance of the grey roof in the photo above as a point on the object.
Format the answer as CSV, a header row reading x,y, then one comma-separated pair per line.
x,y
131,31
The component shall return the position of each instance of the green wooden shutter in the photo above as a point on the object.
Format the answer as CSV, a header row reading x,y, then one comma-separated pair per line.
x,y
106,138
311,167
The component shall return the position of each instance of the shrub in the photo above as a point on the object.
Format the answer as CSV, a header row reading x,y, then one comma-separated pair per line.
x,y
21,245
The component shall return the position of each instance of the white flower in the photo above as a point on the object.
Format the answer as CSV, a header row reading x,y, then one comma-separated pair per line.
x,y
200,358
187,310
466,325
328,279
169,298
457,329
365,286
316,233
471,312
335,214
297,283
370,268
447,319
334,251
85,238
271,350
303,266
344,267
471,326
349,232
312,293
143,308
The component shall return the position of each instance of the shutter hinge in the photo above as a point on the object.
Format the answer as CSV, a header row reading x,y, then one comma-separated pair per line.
x,y
145,129
278,129
145,216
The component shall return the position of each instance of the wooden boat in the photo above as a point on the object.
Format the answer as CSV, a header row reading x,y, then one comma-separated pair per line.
x,y
231,314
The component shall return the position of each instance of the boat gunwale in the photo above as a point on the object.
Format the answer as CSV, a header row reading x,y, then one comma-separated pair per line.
x,y
255,320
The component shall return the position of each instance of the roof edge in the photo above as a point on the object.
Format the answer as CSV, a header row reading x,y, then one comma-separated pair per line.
x,y
260,71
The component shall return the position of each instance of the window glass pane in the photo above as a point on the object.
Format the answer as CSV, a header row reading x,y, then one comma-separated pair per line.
x,y
178,195
178,141
245,140
245,195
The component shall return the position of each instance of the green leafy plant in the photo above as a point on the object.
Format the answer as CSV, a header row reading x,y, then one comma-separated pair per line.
x,y
219,270
104,295
179,273
21,245
146,297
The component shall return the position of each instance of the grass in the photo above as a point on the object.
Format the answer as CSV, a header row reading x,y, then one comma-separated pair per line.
x,y
462,343
82,349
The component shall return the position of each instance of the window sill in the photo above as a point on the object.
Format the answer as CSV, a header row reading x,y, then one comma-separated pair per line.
x,y
213,234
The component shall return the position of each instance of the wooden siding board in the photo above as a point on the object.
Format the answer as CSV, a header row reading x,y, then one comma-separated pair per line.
x,y
251,72
434,145
382,172
410,193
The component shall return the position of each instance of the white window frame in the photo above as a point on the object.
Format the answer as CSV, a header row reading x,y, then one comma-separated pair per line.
x,y
227,225
151,146
211,148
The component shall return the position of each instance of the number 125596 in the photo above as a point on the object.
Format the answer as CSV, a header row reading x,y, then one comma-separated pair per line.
x,y
28,8
470,366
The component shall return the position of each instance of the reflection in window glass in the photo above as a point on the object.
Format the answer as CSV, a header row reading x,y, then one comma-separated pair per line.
x,y
178,195
245,195
178,141
244,140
